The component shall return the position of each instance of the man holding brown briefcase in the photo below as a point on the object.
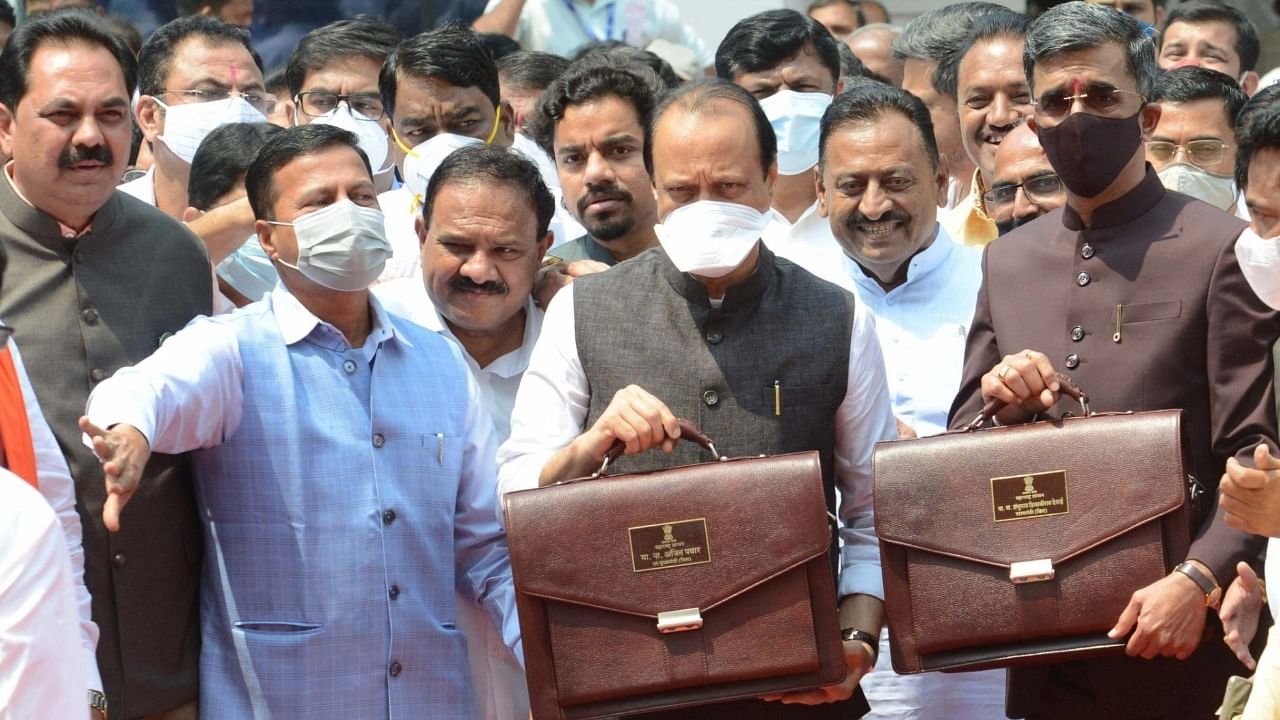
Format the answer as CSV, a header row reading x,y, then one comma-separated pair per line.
x,y
1136,293
711,326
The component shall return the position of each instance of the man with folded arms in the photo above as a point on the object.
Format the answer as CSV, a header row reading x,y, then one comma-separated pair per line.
x,y
344,466
1136,293
734,320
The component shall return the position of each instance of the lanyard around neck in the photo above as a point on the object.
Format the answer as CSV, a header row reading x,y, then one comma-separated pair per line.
x,y
608,28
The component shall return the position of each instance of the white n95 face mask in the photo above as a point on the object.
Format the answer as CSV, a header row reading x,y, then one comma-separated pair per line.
x,y
709,237
796,118
249,270
421,162
1217,190
1259,260
369,134
187,125
342,246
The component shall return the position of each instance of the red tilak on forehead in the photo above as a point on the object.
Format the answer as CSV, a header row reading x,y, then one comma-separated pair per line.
x,y
1075,86
235,75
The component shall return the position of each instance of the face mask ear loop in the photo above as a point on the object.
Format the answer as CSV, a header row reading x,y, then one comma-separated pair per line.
x,y
407,150
497,120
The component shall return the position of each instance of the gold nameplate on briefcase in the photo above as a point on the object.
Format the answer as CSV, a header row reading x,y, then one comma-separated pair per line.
x,y
669,545
1023,497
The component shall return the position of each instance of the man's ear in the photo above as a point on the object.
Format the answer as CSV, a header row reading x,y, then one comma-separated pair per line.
x,y
190,214
839,86
506,125
420,227
944,180
6,131
820,188
266,239
150,118
545,244
1150,118
1249,83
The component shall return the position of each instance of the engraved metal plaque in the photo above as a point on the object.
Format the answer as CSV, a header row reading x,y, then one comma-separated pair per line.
x,y
1023,497
669,545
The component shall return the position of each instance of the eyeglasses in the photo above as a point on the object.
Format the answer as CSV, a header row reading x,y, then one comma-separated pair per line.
x,y
1199,152
1097,100
364,106
261,102
1041,188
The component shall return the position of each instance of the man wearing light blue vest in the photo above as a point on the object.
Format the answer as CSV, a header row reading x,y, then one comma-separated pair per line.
x,y
344,467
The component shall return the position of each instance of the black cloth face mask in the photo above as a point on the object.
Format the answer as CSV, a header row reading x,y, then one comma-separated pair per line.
x,y
1089,151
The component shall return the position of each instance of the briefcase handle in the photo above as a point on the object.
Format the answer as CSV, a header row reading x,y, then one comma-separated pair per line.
x,y
993,406
688,431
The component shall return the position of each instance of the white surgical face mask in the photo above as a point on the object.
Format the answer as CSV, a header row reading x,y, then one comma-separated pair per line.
x,y
342,246
369,134
710,238
1217,190
249,270
187,125
796,118
423,160
531,150
1259,260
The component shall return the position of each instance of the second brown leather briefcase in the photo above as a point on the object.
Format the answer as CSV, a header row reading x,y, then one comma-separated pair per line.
x,y
1023,544
679,587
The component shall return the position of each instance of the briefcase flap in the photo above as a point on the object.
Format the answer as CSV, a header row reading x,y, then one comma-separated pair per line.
x,y
1029,493
691,537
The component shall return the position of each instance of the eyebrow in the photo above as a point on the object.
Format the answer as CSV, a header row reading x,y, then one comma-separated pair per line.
x,y
462,112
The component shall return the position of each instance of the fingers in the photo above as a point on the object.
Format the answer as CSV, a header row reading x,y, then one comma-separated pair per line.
x,y
1026,379
1248,578
641,421
111,511
1239,477
578,268
88,428
1127,620
1263,459
1241,649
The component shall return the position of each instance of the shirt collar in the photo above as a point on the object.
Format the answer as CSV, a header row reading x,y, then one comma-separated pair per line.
x,y
1125,209
297,323
920,266
979,189
42,226
513,363
739,295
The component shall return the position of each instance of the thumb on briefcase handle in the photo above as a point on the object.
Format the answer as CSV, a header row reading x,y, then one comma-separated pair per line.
x,y
688,431
1066,384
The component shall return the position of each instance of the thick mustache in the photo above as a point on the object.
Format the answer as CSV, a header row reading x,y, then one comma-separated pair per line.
x,y
606,193
493,287
78,154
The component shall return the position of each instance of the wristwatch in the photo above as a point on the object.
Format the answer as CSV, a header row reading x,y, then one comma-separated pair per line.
x,y
1212,590
864,637
98,701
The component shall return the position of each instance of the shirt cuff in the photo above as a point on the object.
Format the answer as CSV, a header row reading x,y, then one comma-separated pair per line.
x,y
862,578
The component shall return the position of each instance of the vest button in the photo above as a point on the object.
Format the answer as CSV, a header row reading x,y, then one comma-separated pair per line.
x,y
1086,251
379,440
1077,333
1073,361
714,336
394,592
395,668
119,560
90,316
711,398
388,517
1082,279
97,375
349,366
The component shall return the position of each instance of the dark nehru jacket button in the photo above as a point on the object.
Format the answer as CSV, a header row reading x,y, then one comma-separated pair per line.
x,y
90,316
1077,334
714,336
1086,251
395,668
711,398
1082,279
119,560
1073,361
97,375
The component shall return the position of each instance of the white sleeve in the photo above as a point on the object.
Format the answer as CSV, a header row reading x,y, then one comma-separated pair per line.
x,y
187,395
1259,260
551,404
41,673
864,418
675,30
59,490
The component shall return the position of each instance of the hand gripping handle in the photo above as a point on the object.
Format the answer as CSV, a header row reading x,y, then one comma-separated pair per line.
x,y
1066,385
688,431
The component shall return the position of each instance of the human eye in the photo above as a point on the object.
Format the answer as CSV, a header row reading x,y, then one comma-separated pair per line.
x,y
621,150
898,184
61,117
977,102
112,115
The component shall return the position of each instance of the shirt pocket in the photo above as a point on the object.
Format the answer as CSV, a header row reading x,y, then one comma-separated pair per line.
x,y
1147,312
782,399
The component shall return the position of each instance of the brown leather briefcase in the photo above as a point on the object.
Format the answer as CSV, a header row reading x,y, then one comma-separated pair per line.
x,y
1023,544
679,587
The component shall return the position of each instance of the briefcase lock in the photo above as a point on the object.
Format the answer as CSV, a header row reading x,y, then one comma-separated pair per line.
x,y
675,621
1030,571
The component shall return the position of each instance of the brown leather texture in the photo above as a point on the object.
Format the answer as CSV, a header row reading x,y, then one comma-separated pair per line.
x,y
582,554
1123,523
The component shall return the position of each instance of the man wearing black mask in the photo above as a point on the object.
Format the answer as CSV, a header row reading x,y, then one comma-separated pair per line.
x,y
1136,293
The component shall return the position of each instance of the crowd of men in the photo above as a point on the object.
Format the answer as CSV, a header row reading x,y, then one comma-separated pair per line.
x,y
283,338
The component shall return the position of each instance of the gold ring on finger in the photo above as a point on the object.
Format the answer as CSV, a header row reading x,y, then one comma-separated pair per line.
x,y
1001,373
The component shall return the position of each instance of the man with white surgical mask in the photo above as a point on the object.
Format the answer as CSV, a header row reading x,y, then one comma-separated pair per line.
x,y
441,91
791,64
1193,147
735,320
343,466
333,80
194,74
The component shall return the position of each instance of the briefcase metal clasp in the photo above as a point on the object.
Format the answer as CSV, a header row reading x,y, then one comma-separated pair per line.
x,y
674,621
1029,571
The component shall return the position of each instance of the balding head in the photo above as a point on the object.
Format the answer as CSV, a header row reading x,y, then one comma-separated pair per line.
x,y
873,45
1019,160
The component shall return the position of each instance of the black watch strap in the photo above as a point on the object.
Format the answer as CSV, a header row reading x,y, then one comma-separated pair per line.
x,y
1212,591
872,641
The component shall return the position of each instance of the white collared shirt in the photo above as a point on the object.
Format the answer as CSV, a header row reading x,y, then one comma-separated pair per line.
x,y
142,188
551,408
498,380
562,26
808,243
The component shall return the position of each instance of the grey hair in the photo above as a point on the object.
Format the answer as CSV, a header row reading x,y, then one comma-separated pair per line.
x,y
873,27
1076,26
936,36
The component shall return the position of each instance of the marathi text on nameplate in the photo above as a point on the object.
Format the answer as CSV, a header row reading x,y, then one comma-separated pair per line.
x,y
1024,497
668,545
